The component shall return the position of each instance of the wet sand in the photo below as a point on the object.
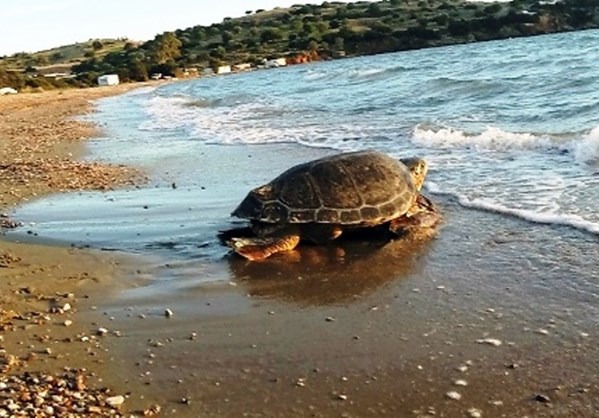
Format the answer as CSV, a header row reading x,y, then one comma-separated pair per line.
x,y
497,312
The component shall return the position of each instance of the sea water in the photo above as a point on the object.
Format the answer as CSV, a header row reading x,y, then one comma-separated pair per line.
x,y
508,126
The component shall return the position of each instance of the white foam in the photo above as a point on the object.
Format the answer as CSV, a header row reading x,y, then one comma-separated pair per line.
x,y
167,113
316,75
364,73
491,138
535,216
587,150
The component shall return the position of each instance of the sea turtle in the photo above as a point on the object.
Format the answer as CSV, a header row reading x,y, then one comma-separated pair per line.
x,y
318,200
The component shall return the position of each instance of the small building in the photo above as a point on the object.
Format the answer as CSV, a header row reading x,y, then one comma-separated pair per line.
x,y
190,72
275,63
108,80
223,69
7,90
245,66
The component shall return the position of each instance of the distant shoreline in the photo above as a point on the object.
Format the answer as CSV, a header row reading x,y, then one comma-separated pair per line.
x,y
298,34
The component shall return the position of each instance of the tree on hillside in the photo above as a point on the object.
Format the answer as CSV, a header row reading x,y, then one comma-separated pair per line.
x,y
166,47
97,45
56,57
271,35
137,70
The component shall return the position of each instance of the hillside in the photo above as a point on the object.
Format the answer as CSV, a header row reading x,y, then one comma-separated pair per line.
x,y
66,55
329,30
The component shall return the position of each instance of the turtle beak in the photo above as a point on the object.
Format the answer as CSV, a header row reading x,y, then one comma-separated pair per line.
x,y
418,168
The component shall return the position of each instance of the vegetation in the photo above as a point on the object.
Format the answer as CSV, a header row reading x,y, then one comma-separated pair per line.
x,y
51,69
309,32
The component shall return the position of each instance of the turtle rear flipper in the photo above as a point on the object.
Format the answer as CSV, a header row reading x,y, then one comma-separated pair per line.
x,y
261,248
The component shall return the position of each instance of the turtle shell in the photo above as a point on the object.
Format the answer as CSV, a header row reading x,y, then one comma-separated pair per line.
x,y
357,188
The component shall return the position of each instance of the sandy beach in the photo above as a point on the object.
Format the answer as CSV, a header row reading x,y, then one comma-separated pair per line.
x,y
467,322
42,287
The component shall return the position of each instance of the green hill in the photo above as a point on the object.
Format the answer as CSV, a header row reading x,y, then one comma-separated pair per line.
x,y
313,32
66,55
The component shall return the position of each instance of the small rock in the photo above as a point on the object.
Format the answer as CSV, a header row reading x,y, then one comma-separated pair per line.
x,y
342,397
168,313
460,382
329,319
542,398
101,331
67,323
490,341
453,395
152,410
115,401
475,413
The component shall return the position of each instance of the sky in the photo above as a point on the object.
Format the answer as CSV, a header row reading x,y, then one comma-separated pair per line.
x,y
35,25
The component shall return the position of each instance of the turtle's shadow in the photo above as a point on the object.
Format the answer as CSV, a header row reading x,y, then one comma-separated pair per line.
x,y
345,270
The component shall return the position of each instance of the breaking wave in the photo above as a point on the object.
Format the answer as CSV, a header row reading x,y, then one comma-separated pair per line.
x,y
491,138
587,150
534,216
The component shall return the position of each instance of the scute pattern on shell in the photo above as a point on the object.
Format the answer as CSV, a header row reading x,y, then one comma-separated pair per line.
x,y
364,187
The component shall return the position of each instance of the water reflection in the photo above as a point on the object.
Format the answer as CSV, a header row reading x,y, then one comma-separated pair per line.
x,y
338,273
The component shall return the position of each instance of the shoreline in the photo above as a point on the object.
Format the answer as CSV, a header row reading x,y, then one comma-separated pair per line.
x,y
44,288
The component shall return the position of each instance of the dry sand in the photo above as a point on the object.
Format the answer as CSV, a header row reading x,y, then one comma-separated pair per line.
x,y
42,287
463,325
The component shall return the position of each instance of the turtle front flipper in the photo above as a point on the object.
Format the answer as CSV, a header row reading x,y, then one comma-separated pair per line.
x,y
422,214
261,248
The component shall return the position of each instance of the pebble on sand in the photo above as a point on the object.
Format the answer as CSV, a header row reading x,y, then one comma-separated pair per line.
x,y
115,401
490,341
453,395
475,413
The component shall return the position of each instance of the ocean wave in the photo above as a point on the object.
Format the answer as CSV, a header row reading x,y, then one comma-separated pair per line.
x,y
167,112
587,150
491,138
584,147
534,216
367,74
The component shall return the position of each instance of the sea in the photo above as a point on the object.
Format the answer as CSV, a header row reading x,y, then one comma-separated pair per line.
x,y
508,127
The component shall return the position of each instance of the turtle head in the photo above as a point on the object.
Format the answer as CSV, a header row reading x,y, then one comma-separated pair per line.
x,y
418,169
252,207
